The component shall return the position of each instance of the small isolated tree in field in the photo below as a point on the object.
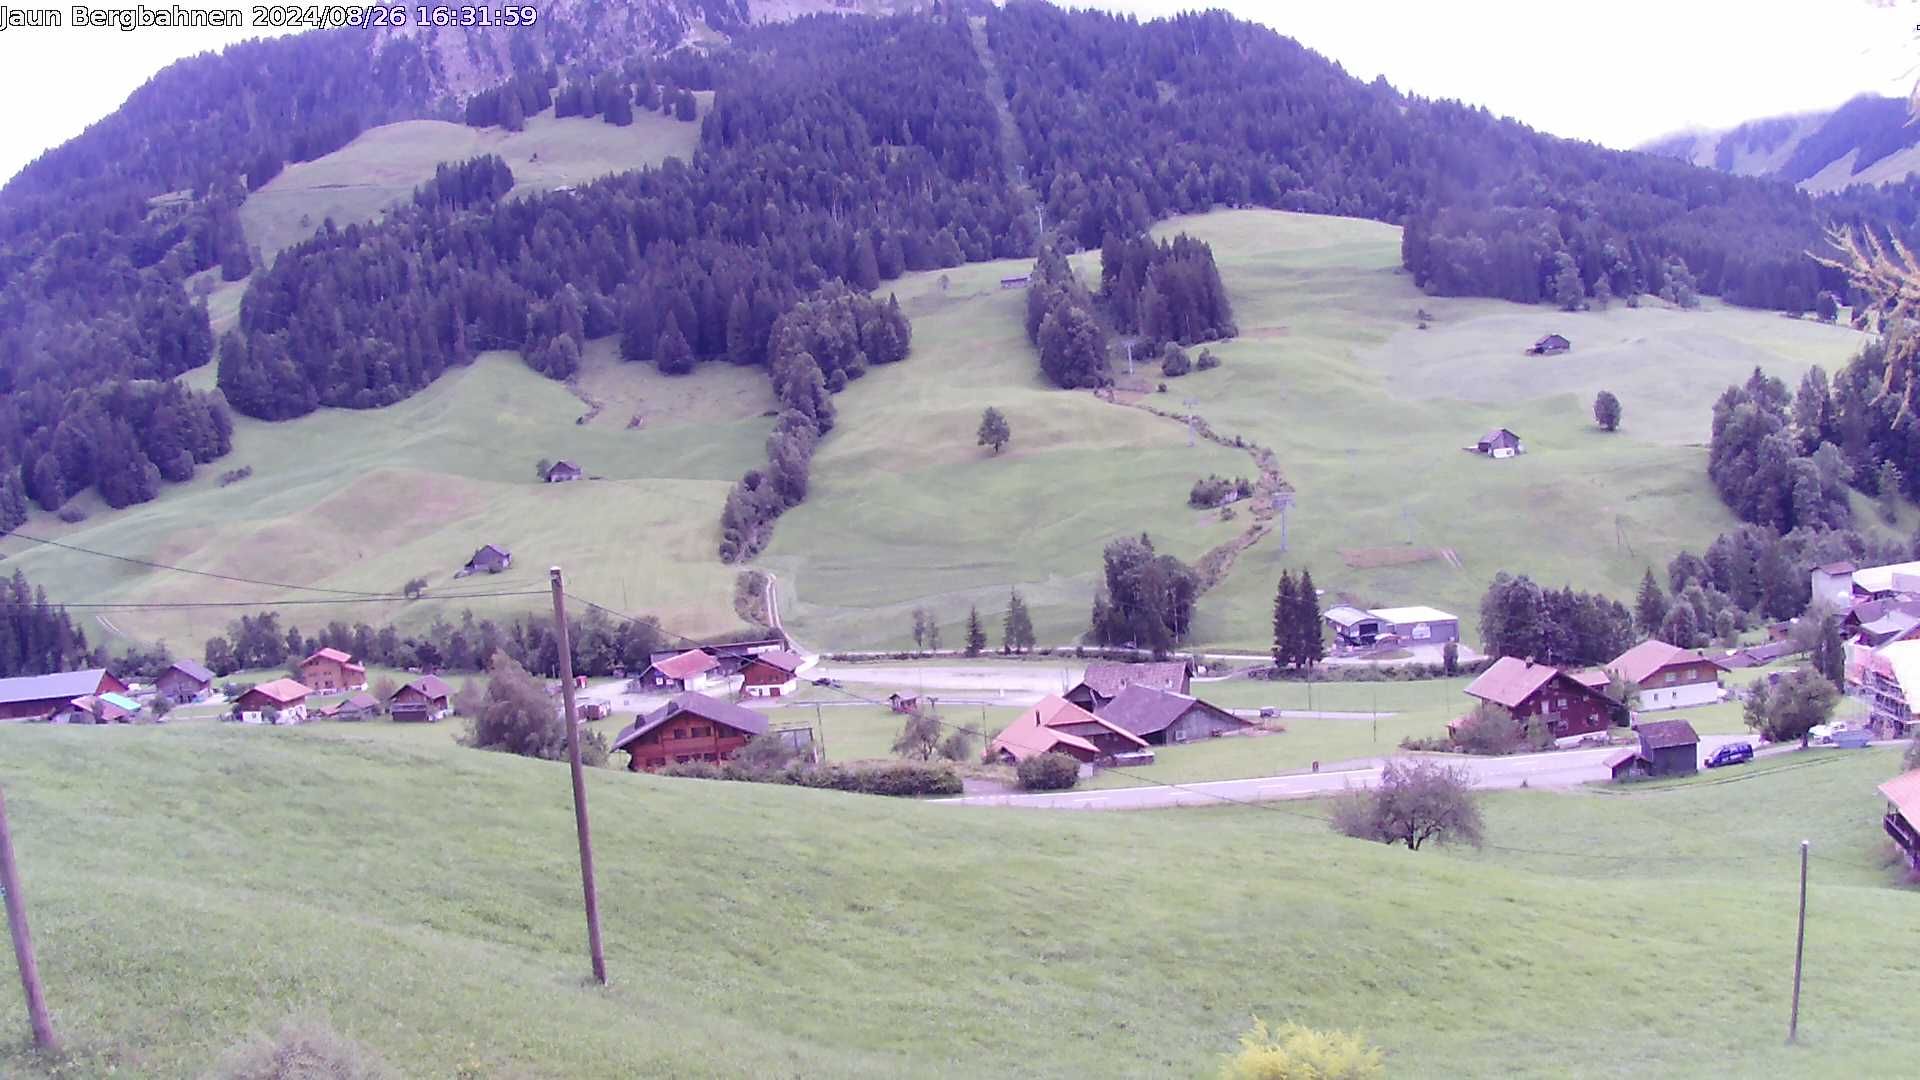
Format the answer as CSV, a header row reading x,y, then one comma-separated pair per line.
x,y
1606,411
414,588
1292,1052
919,737
995,432
542,467
919,628
1016,635
1049,772
1415,802
1792,707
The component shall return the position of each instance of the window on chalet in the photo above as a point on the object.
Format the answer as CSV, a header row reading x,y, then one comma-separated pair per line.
x,y
680,733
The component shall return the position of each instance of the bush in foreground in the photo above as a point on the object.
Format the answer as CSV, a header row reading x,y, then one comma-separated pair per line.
x,y
303,1049
1294,1052
519,717
1049,772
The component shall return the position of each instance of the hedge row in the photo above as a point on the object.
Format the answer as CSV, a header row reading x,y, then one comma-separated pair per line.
x,y
908,778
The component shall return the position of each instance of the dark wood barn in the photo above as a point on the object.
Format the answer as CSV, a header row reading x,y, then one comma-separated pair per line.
x,y
1161,717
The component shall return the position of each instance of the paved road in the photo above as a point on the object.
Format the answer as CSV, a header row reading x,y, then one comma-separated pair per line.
x,y
1565,768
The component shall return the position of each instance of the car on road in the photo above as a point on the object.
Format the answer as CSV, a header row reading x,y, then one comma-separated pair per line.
x,y
1737,753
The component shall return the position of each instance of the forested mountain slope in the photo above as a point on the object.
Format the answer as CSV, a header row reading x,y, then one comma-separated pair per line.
x,y
1866,141
837,149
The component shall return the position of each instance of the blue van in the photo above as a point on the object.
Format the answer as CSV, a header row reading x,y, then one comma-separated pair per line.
x,y
1738,753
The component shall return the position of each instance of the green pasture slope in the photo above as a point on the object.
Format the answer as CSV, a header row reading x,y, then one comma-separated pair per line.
x,y
423,898
1366,413
359,181
367,500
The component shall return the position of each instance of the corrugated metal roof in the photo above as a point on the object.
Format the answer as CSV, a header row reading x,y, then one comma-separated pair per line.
x,y
1416,613
60,684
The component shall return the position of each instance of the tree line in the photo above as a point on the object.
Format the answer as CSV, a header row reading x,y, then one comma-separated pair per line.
x,y
600,644
817,347
1552,626
1062,325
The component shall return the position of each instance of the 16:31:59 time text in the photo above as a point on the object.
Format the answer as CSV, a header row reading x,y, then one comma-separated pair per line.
x,y
327,16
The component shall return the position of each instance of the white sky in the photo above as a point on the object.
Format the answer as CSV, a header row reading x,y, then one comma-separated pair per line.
x,y
1614,71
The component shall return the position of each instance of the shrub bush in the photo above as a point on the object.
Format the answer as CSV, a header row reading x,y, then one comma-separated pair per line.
x,y
72,515
303,1049
1490,730
1207,361
1298,1053
1049,772
1438,744
1174,362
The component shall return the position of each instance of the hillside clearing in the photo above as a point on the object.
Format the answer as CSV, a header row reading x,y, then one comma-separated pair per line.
x,y
432,913
383,165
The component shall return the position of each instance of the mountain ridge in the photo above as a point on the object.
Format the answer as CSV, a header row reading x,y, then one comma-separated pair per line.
x,y
1867,140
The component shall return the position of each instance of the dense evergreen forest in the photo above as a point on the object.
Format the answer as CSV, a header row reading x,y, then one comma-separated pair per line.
x,y
837,150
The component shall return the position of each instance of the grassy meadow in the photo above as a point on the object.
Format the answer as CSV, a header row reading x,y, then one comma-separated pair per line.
x,y
423,899
366,500
359,181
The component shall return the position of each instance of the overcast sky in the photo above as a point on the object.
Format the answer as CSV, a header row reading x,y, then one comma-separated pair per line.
x,y
1618,72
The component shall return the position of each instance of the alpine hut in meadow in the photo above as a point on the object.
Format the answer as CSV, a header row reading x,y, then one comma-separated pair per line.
x,y
184,682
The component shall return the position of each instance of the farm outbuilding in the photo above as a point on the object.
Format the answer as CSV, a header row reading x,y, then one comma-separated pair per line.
x,y
1669,747
1418,623
1057,725
1351,626
491,558
1499,443
562,471
36,697
1551,345
282,701
183,683
427,698
772,674
1162,717
1104,679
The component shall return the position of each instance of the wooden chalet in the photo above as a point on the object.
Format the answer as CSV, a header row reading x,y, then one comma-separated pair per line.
x,y
491,559
561,472
330,671
425,699
1528,690
282,701
184,682
1551,345
691,727
693,670
772,674
1902,823
359,706
1057,725
38,697
1160,717
1016,281
1104,679
1667,676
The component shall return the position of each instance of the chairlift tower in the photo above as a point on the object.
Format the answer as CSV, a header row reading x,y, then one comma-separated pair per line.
x,y
1192,417
1283,502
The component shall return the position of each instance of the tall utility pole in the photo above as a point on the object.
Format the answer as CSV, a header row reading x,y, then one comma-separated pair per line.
x,y
1799,947
43,1036
580,825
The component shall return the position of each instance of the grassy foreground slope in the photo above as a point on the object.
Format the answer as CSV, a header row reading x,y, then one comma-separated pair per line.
x,y
424,898
359,181
366,500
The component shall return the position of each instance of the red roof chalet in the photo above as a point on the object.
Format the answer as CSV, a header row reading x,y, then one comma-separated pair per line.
x,y
1529,690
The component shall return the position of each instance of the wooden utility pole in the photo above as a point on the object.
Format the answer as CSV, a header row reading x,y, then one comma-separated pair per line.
x,y
580,824
1799,947
43,1036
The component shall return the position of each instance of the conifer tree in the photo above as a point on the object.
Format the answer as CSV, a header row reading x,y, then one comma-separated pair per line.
x,y
1650,606
1285,641
1312,646
976,633
1017,633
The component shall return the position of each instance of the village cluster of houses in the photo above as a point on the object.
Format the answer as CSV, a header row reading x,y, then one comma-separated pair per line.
x,y
697,725
1879,611
1576,704
98,696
